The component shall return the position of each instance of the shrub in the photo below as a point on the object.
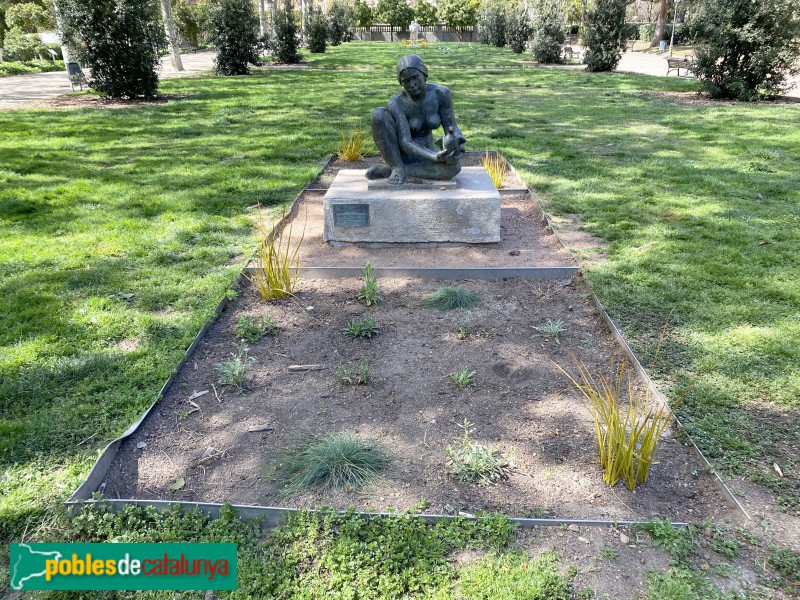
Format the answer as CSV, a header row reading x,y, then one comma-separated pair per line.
x,y
449,298
34,66
747,48
548,32
425,13
363,327
285,39
626,426
234,24
604,37
118,41
362,14
471,462
492,23
192,21
518,28
340,22
315,29
340,461
459,13
23,47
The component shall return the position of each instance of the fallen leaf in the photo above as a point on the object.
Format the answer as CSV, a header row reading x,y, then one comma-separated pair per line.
x,y
194,404
777,469
178,485
141,445
197,395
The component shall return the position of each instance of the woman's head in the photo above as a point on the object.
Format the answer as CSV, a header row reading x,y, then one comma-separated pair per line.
x,y
411,61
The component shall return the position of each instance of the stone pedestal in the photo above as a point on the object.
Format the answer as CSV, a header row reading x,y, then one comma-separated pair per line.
x,y
468,213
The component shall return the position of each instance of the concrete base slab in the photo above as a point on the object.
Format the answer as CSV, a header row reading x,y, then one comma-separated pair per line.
x,y
469,213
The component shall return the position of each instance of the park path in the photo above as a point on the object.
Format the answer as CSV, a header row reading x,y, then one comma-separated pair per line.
x,y
36,86
19,89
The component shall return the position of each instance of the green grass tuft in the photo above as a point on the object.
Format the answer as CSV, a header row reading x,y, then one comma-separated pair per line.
x,y
450,298
339,461
235,372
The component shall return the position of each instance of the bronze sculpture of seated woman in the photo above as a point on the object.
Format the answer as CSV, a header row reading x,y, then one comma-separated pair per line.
x,y
403,130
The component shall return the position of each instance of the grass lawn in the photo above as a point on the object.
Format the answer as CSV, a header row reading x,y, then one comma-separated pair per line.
x,y
120,230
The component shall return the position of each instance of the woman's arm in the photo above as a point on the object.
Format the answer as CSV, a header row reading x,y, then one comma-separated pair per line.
x,y
447,115
404,139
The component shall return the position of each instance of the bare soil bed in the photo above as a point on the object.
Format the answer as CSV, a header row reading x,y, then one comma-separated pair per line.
x,y
226,445
520,404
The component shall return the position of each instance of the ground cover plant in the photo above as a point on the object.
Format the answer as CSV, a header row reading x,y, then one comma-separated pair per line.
x,y
471,462
695,205
8,68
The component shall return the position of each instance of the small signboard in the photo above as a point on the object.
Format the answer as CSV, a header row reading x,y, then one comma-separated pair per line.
x,y
350,215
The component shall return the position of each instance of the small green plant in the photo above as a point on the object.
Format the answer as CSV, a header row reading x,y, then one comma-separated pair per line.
x,y
627,432
363,327
515,574
471,462
462,333
352,145
449,298
339,461
609,553
234,372
276,265
495,166
250,330
462,378
369,292
352,375
552,330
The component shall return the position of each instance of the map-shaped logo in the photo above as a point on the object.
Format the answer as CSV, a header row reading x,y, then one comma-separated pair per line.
x,y
28,564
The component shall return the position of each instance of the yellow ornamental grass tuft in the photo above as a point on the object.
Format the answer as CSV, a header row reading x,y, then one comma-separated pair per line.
x,y
627,429
352,145
276,264
495,165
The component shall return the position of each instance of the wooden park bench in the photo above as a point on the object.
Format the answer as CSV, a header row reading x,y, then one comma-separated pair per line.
x,y
676,63
629,45
186,47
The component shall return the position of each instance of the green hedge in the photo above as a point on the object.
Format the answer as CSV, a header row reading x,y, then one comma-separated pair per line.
x,y
31,66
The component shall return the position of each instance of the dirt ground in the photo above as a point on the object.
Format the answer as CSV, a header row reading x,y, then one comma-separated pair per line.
x,y
520,404
228,445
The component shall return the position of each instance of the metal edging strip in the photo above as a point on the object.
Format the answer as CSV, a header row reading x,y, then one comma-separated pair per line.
x,y
273,515
641,371
491,274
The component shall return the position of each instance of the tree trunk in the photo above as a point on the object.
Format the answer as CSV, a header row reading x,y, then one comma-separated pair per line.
x,y
172,38
661,23
59,31
262,18
583,14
